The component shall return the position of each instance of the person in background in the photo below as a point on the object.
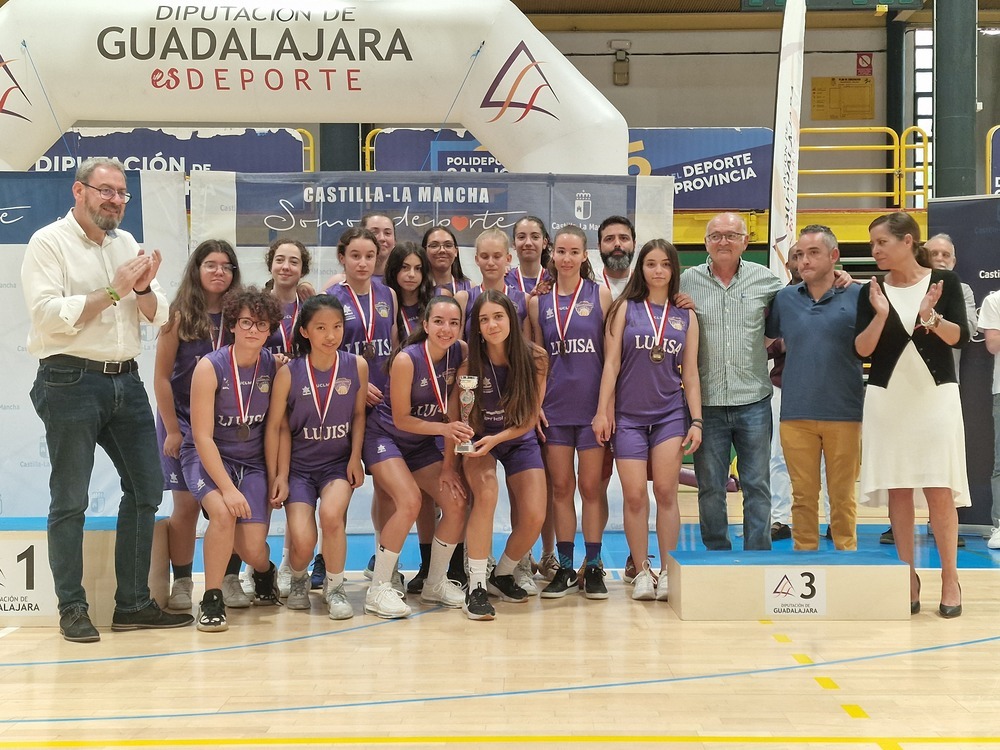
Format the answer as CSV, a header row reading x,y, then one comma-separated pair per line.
x,y
193,330
531,245
87,286
989,324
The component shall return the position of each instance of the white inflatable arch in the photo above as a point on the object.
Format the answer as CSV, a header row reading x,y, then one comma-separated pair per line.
x,y
475,63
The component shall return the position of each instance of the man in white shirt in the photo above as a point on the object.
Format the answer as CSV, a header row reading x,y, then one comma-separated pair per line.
x,y
616,236
989,324
87,286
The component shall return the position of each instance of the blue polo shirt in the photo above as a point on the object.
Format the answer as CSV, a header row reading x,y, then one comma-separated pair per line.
x,y
822,377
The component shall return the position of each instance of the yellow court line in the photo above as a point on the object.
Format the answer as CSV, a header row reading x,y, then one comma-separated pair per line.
x,y
855,711
883,743
827,684
802,659
782,638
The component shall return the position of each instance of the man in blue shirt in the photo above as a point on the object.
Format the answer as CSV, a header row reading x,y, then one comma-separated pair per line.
x,y
822,391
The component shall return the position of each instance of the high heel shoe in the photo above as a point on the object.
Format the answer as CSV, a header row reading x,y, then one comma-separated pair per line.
x,y
915,604
948,611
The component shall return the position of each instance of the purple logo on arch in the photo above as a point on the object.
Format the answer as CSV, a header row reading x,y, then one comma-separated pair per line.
x,y
528,78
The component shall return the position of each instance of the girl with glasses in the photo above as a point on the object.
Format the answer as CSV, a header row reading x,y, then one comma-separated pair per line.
x,y
223,456
441,247
194,330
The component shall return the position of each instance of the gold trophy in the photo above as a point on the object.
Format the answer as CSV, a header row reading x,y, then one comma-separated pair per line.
x,y
467,398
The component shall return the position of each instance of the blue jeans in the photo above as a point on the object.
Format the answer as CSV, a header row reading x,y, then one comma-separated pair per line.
x,y
82,410
748,429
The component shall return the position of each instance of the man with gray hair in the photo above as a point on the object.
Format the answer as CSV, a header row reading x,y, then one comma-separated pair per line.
x,y
816,321
88,286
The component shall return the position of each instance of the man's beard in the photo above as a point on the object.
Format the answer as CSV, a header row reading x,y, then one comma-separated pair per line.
x,y
617,262
104,222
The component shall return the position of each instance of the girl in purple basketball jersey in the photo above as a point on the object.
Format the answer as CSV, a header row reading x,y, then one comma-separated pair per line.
x,y
510,383
288,262
492,259
651,402
568,323
315,428
441,247
402,452
230,393
531,244
194,330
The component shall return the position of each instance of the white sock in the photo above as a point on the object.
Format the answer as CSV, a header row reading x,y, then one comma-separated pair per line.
x,y
284,558
505,566
297,574
477,573
385,564
333,580
441,553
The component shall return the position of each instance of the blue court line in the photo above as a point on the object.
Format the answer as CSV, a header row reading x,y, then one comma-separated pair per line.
x,y
510,693
216,649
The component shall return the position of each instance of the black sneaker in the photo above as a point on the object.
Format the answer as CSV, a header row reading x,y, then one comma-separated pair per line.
x,y
318,577
593,583
212,613
477,605
887,537
506,589
76,627
780,531
416,584
459,576
561,583
148,618
266,587
829,532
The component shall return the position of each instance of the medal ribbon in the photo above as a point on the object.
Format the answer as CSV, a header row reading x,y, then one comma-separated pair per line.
x,y
440,391
369,322
217,339
563,327
607,282
244,409
657,332
311,374
286,334
520,279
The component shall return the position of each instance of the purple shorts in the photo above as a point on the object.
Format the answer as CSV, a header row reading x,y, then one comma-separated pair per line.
x,y
173,471
306,487
580,437
634,442
417,451
519,455
251,482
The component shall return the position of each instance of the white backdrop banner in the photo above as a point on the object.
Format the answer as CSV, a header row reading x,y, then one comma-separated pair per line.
x,y
156,217
480,64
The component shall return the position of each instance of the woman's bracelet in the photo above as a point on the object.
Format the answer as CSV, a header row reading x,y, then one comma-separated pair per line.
x,y
933,321
115,299
698,423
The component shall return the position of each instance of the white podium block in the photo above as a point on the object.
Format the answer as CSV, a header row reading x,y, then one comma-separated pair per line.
x,y
773,585
27,593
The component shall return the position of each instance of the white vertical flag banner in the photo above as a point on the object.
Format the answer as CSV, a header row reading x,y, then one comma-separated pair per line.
x,y
787,109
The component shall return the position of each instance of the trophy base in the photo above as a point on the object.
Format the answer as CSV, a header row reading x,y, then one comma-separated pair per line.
x,y
466,447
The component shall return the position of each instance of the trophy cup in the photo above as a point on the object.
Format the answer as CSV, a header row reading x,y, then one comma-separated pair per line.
x,y
467,398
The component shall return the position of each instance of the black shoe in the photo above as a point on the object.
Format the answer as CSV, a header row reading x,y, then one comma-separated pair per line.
x,y
266,587
961,541
887,537
780,531
149,617
477,605
416,584
948,611
507,589
593,583
829,532
212,613
459,576
915,604
560,585
318,577
76,627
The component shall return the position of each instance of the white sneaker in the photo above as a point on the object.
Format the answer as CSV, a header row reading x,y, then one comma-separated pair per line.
x,y
233,594
384,601
445,592
644,587
523,576
337,604
180,594
994,540
246,581
298,592
284,580
662,587
548,566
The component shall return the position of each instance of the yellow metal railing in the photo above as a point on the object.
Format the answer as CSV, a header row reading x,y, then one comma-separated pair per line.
x,y
308,150
989,160
919,149
890,147
369,149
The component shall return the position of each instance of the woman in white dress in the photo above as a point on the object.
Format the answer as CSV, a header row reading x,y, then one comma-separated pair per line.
x,y
913,436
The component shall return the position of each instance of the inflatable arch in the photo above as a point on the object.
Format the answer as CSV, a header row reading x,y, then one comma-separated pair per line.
x,y
477,63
